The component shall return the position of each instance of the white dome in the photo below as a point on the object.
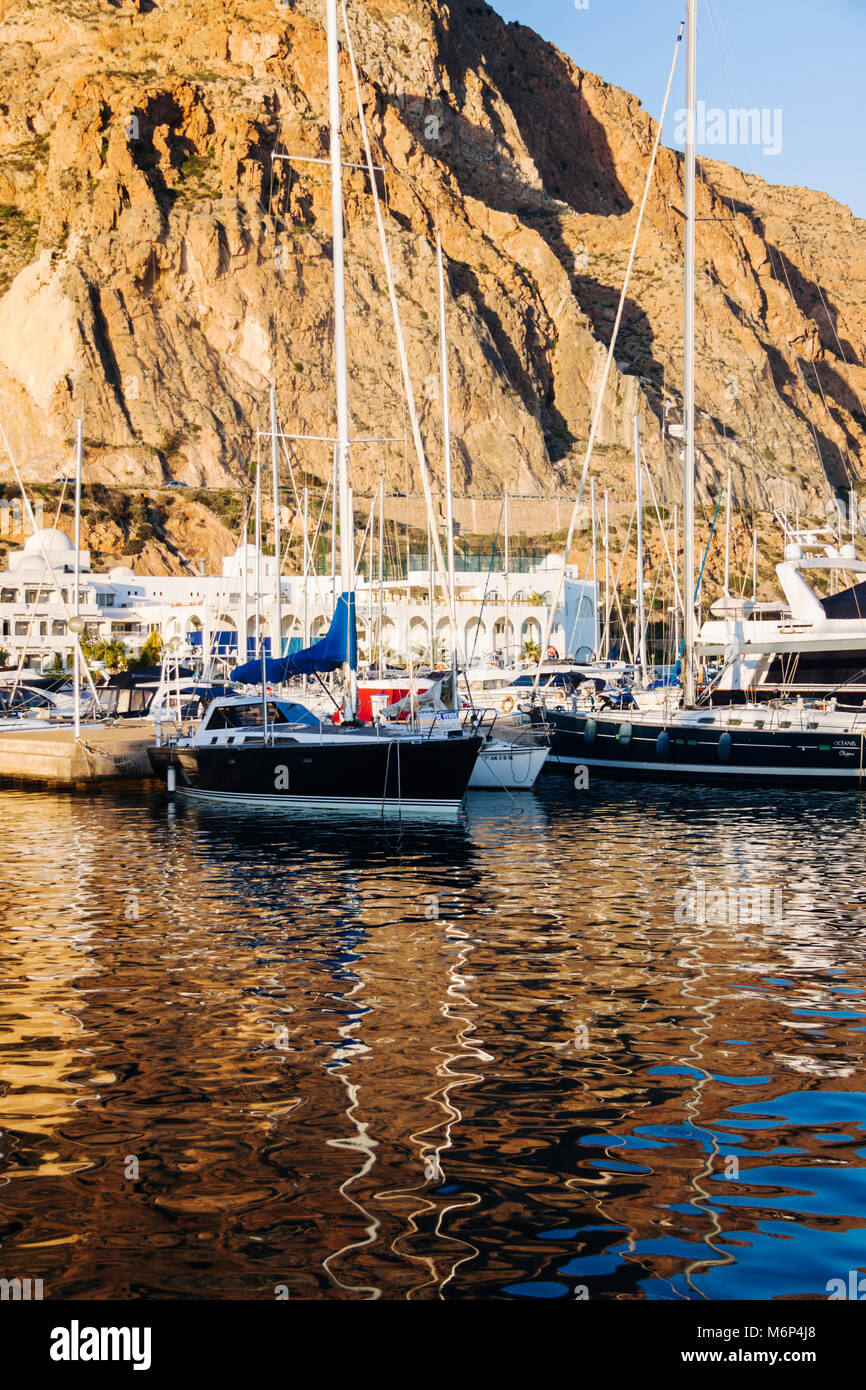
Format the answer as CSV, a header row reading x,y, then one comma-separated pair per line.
x,y
244,556
47,540
29,564
122,574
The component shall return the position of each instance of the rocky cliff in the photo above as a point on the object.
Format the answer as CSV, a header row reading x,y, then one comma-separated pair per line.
x,y
165,236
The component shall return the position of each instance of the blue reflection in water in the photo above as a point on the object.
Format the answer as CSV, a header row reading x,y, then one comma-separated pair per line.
x,y
477,1060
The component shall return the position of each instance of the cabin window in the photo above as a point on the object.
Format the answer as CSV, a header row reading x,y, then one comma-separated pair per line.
x,y
245,716
250,716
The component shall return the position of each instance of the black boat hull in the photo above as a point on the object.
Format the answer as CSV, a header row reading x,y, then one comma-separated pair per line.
x,y
406,775
656,751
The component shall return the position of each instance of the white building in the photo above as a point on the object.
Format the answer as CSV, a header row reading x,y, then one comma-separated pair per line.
x,y
37,595
496,613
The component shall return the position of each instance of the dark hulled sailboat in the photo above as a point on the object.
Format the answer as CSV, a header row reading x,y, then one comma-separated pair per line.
x,y
762,744
269,752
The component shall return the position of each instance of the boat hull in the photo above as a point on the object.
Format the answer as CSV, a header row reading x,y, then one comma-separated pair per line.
x,y
404,775
719,755
511,768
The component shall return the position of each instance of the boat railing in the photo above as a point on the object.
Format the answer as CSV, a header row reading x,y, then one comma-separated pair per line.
x,y
532,735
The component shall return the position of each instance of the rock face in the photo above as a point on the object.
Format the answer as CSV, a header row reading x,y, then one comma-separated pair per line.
x,y
163,264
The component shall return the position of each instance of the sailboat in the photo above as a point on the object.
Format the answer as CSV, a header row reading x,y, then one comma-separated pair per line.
x,y
271,752
503,764
769,744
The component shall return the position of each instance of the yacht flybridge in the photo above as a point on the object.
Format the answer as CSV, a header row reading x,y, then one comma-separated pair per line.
x,y
813,645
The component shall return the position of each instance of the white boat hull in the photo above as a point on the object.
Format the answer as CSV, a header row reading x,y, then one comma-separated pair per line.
x,y
507,767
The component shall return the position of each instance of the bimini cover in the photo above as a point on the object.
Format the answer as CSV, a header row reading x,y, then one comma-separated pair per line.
x,y
339,645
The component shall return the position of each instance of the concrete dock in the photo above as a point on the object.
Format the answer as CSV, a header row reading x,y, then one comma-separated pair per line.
x,y
104,752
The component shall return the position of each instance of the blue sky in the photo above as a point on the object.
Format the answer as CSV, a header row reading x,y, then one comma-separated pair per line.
x,y
803,58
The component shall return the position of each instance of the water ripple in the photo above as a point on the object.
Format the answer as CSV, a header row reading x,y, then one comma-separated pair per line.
x,y
243,1056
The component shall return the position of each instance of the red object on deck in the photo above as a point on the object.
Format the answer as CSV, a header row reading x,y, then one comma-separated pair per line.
x,y
393,691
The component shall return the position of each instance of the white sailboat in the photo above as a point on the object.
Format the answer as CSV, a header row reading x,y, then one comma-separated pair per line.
x,y
503,764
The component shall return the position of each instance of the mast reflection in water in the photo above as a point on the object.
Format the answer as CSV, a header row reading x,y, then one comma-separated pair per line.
x,y
247,1057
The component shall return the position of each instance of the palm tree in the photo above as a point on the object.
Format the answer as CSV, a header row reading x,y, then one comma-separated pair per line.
x,y
115,655
530,651
112,654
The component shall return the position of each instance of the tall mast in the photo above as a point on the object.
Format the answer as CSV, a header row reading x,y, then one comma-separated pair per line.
x,y
639,590
370,568
676,567
381,573
307,571
347,558
259,635
243,647
79,442
334,527
507,581
596,630
431,580
446,447
728,534
275,468
689,375
606,637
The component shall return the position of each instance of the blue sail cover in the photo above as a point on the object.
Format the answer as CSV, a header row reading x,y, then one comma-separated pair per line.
x,y
338,646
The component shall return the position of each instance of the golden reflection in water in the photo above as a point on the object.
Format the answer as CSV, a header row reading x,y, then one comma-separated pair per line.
x,y
330,1084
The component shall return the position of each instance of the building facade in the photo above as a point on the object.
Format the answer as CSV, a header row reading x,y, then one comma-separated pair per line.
x,y
497,613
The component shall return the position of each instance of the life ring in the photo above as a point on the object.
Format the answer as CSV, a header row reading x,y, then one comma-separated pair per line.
x,y
552,654
507,705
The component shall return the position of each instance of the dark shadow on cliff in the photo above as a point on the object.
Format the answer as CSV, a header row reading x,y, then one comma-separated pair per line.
x,y
571,154
535,393
813,302
785,381
567,144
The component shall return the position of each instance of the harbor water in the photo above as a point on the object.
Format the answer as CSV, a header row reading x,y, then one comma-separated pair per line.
x,y
600,1044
